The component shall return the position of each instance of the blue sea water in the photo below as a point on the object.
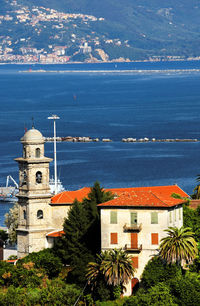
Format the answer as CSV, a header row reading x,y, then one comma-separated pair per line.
x,y
105,105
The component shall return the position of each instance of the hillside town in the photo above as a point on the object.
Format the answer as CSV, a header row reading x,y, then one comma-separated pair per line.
x,y
64,38
42,35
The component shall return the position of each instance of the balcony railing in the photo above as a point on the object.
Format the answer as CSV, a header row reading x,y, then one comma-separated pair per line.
x,y
132,227
132,248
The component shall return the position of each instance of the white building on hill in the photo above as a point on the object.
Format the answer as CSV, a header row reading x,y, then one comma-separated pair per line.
x,y
134,220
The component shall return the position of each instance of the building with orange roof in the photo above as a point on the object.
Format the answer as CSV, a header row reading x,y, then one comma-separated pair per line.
x,y
134,220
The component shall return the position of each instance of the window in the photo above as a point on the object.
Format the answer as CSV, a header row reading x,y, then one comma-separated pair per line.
x,y
40,214
180,211
113,217
113,238
24,152
175,214
24,177
134,262
37,152
133,218
24,212
38,177
154,218
154,238
170,217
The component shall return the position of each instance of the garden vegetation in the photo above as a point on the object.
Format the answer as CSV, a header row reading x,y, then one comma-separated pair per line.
x,y
76,272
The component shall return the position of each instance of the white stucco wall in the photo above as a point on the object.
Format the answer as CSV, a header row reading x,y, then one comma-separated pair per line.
x,y
166,218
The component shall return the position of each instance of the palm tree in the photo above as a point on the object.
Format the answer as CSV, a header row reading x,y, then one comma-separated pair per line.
x,y
114,265
179,246
94,273
196,190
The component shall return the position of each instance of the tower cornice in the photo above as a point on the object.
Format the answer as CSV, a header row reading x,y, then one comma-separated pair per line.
x,y
33,160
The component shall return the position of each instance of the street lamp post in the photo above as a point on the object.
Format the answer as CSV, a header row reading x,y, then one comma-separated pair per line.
x,y
54,118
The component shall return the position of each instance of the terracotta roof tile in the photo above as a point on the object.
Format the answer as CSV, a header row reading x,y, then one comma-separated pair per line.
x,y
68,197
56,234
156,196
159,196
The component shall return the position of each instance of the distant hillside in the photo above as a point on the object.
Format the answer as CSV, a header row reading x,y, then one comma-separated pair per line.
x,y
140,28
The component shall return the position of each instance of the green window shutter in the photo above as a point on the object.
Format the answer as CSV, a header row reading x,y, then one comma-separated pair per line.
x,y
133,218
113,217
170,217
179,213
175,214
154,218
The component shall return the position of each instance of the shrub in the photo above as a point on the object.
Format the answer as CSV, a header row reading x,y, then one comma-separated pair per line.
x,y
13,296
46,260
186,290
157,295
6,272
157,271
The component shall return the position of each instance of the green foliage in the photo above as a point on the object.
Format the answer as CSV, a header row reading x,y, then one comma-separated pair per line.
x,y
55,293
117,290
191,218
179,246
58,293
156,295
13,296
12,257
11,221
175,27
118,302
102,292
6,271
46,260
196,190
176,195
23,276
3,236
113,268
81,241
156,271
185,289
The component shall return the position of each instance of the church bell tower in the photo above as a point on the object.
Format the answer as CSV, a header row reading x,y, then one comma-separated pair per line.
x,y
34,195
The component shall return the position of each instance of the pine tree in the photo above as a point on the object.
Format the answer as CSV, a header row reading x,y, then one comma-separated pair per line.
x,y
81,241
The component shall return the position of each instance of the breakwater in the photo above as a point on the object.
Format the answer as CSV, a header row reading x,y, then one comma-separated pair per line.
x,y
117,71
127,140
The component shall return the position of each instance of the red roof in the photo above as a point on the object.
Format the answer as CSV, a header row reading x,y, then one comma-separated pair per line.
x,y
56,234
68,197
158,196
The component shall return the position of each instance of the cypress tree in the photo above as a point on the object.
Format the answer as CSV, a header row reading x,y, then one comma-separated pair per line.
x,y
81,241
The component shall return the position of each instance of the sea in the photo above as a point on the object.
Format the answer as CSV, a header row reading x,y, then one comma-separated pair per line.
x,y
105,100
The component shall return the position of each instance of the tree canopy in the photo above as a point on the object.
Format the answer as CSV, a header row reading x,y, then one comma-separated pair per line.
x,y
179,246
81,241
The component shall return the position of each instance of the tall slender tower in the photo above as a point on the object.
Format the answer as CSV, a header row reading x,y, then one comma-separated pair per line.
x,y
34,195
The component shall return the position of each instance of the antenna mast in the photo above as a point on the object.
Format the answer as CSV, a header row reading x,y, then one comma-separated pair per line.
x,y
54,118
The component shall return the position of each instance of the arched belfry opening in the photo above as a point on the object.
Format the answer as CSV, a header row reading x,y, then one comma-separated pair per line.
x,y
38,177
40,214
37,153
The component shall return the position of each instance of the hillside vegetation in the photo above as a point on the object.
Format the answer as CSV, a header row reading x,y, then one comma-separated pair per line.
x,y
142,28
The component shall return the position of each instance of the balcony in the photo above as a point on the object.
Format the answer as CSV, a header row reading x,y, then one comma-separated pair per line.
x,y
133,248
132,227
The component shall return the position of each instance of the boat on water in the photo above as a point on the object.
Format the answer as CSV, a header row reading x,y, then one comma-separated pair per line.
x,y
8,193
60,187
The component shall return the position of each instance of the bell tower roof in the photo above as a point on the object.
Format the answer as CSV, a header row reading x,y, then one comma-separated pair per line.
x,y
32,136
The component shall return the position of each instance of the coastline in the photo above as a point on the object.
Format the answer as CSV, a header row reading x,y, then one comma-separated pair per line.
x,y
131,71
103,62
